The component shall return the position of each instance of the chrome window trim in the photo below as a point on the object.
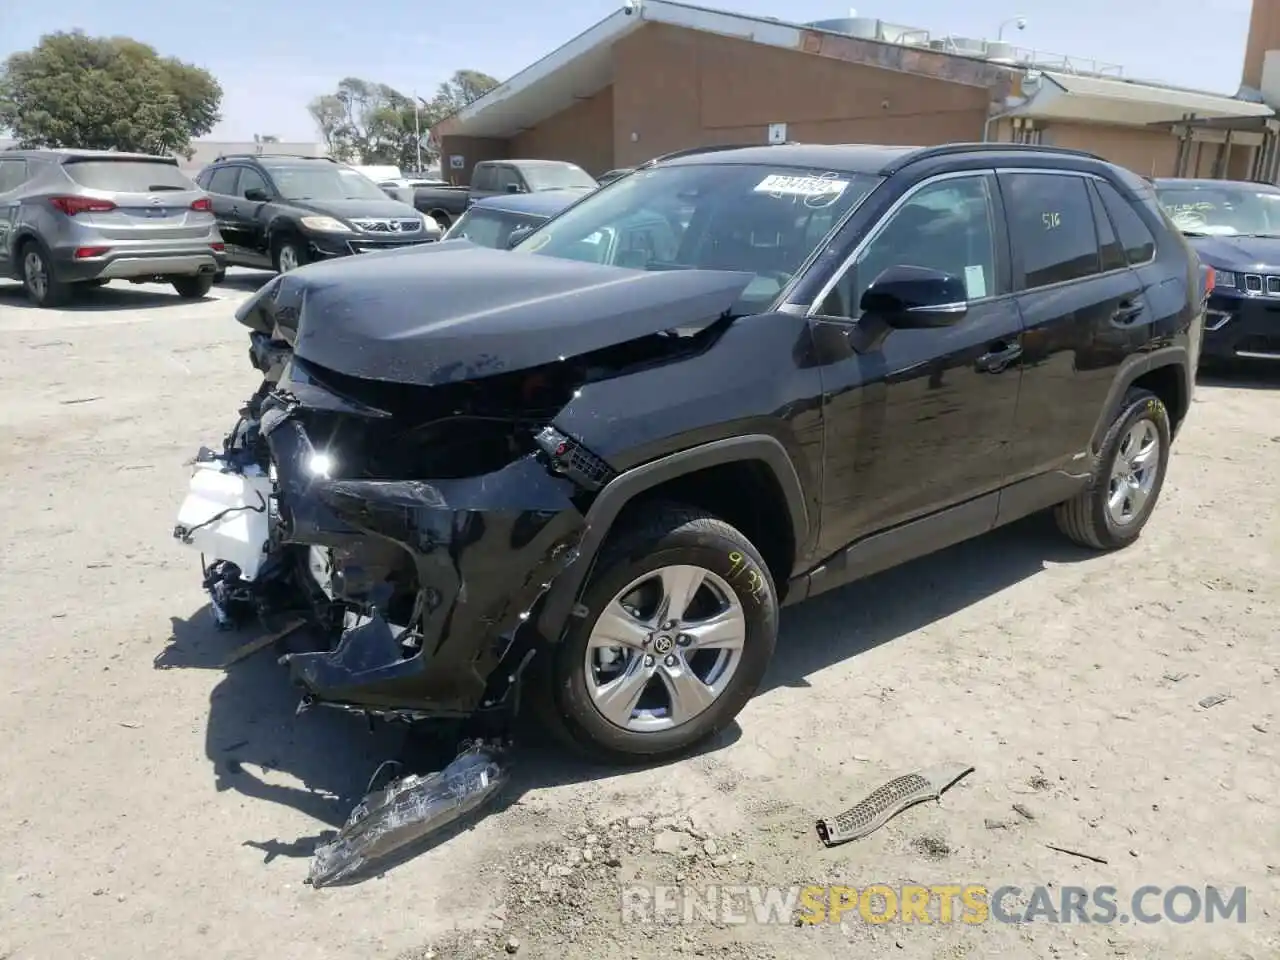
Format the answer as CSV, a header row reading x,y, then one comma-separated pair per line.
x,y
878,227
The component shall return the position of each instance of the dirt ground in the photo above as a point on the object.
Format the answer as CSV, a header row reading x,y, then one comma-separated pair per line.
x,y
154,804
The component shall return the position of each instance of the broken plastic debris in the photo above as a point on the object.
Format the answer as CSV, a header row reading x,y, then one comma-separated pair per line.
x,y
887,801
407,810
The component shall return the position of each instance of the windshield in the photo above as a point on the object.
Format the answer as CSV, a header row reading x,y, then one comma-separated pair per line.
x,y
1222,210
324,182
752,218
556,176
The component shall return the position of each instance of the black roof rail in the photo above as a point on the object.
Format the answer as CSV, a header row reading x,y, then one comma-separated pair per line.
x,y
991,146
263,156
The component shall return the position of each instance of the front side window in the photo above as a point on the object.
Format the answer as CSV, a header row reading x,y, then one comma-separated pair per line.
x,y
251,179
947,225
323,181
1226,210
750,218
1051,225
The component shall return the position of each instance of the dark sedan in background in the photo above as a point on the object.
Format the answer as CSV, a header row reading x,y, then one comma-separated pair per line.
x,y
1234,226
492,221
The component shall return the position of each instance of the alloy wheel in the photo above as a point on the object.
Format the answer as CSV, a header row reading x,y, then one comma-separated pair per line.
x,y
665,648
1134,473
36,274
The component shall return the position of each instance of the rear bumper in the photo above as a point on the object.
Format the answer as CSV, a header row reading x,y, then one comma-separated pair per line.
x,y
1244,328
136,264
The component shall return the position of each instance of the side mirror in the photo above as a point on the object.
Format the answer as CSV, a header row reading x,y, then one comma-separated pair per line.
x,y
513,188
257,195
914,298
517,235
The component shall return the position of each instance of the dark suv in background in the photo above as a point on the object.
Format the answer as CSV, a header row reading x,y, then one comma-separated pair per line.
x,y
78,218
279,212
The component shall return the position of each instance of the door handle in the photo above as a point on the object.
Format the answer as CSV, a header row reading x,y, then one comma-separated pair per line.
x,y
1128,310
998,357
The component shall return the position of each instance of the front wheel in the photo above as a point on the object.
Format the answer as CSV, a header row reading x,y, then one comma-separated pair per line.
x,y
682,618
290,253
1131,467
193,288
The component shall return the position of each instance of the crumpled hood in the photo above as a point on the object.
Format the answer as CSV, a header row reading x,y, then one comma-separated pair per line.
x,y
1257,254
456,311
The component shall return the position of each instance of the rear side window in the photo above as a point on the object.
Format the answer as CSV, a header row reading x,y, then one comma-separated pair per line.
x,y
223,181
13,174
1113,257
1051,226
485,177
128,176
1139,245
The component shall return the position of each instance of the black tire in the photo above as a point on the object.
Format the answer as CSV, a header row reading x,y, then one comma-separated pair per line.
x,y
1085,518
296,244
193,288
442,218
663,534
220,276
96,283
54,292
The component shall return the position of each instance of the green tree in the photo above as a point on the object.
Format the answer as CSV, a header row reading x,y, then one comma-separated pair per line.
x,y
369,122
105,93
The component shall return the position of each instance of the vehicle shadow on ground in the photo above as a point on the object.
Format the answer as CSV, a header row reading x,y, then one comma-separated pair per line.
x,y
114,297
320,763
1242,378
851,620
248,282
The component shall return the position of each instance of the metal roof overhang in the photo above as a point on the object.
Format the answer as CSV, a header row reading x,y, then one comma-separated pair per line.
x,y
1064,96
584,66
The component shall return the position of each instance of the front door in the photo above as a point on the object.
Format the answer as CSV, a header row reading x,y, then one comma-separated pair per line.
x,y
251,226
922,421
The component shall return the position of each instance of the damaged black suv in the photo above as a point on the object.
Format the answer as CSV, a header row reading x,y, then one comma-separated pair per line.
x,y
586,472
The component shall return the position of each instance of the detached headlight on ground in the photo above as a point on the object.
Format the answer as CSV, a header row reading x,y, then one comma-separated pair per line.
x,y
321,464
325,225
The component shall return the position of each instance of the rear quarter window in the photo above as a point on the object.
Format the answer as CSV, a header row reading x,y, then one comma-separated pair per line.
x,y
128,176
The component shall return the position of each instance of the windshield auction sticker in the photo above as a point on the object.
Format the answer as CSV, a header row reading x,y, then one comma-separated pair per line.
x,y
824,188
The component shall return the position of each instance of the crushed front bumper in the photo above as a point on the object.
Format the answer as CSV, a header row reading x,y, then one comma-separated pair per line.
x,y
481,552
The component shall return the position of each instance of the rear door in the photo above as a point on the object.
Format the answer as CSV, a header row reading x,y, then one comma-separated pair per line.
x,y
1079,302
220,183
154,201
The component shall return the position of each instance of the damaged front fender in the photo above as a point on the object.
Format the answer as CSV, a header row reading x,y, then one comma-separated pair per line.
x,y
478,551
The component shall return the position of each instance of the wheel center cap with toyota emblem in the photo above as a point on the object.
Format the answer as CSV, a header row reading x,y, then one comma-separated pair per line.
x,y
663,643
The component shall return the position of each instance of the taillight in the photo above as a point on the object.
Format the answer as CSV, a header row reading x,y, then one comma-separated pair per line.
x,y
204,203
218,247
73,205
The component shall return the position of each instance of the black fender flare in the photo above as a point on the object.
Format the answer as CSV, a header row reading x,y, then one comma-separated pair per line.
x,y
1133,368
562,597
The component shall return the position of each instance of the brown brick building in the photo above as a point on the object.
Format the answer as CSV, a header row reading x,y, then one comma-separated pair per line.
x,y
657,76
